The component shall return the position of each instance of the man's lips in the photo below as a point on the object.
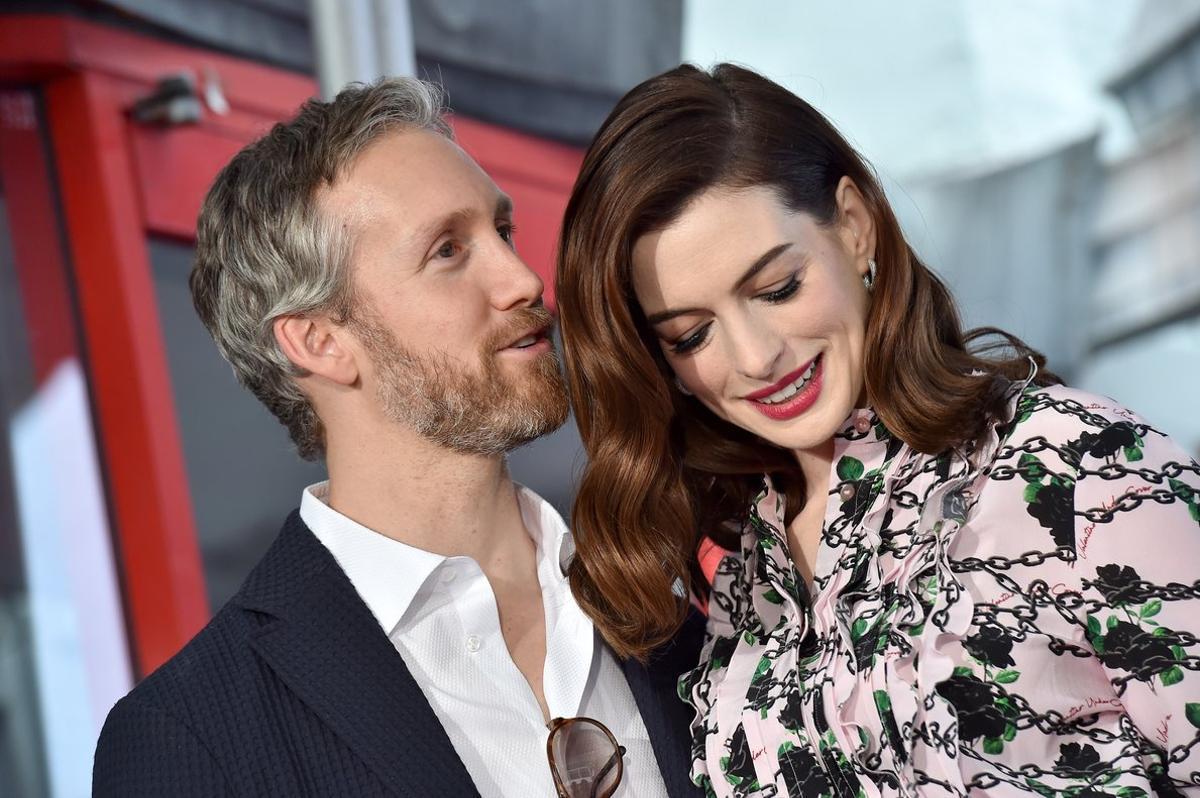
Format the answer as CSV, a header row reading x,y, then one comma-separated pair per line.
x,y
529,338
787,380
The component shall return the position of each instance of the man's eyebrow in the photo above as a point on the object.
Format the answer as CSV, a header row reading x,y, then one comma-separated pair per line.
x,y
759,264
504,208
504,205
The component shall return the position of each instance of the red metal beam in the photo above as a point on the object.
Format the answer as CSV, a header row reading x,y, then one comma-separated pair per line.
x,y
140,443
42,45
36,241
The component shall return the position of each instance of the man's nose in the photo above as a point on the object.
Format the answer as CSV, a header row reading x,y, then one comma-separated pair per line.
x,y
514,284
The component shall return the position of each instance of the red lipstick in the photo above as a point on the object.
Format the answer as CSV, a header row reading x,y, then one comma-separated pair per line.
x,y
794,405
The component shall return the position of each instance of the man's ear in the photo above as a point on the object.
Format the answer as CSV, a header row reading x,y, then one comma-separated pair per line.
x,y
856,222
317,345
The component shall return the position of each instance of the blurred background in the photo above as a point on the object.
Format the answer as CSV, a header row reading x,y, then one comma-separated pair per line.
x,y
1043,155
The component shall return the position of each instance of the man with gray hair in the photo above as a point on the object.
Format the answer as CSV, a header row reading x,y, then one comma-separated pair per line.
x,y
411,631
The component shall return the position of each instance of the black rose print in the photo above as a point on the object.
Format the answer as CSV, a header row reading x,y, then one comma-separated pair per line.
x,y
739,765
1105,444
1117,583
977,714
804,775
1053,505
1134,649
1077,761
992,646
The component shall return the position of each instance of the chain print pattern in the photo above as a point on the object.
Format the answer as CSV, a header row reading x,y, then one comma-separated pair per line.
x,y
1018,617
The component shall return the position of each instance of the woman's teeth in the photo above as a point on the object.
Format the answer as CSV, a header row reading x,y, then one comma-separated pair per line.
x,y
787,392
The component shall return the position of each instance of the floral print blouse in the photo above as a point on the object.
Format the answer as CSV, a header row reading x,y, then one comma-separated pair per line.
x,y
1020,618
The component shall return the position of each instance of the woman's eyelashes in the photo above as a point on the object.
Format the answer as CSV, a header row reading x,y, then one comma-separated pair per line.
x,y
784,292
781,294
691,342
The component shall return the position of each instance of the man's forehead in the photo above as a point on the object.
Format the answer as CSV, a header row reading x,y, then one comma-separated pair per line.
x,y
418,173
408,167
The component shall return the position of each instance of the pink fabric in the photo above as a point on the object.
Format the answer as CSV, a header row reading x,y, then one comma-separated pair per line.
x,y
1018,618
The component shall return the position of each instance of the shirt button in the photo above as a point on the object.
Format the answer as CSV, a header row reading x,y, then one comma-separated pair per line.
x,y
473,643
863,424
846,491
448,577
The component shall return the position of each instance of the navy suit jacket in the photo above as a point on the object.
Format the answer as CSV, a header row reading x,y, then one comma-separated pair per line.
x,y
293,689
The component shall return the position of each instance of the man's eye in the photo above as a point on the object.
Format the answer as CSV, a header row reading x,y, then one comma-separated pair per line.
x,y
447,250
506,232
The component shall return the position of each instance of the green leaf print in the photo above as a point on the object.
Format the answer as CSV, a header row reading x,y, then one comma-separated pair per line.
x,y
1031,468
1093,625
849,469
962,670
882,702
1131,792
1031,493
1133,453
1039,788
993,745
1007,676
1190,496
858,629
1172,675
787,746
1010,732
772,595
1193,713
1150,608
764,665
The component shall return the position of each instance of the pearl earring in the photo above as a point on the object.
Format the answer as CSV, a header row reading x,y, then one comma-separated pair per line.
x,y
869,278
682,388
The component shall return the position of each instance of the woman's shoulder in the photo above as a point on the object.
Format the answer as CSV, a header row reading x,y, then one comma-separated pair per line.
x,y
1061,414
1088,430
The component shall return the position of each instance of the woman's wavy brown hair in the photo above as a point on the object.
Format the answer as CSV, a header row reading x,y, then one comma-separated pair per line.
x,y
664,471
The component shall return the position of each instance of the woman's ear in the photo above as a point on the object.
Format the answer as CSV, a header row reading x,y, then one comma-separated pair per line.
x,y
856,225
317,346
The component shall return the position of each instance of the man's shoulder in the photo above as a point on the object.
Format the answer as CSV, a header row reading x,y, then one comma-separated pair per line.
x,y
207,675
216,670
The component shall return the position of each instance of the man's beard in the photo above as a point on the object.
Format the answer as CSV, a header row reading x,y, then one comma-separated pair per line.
x,y
487,412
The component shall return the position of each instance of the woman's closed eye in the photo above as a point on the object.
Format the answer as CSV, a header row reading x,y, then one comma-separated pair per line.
x,y
691,342
782,293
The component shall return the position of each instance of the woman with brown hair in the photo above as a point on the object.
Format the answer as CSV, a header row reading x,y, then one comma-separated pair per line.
x,y
949,572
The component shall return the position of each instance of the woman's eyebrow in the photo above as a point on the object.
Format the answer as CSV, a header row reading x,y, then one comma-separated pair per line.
x,y
763,261
759,264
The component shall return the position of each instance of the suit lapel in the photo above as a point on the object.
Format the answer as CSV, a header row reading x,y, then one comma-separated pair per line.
x,y
666,716
325,645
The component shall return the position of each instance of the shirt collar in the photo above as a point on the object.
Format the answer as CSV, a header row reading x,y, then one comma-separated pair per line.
x,y
547,528
388,574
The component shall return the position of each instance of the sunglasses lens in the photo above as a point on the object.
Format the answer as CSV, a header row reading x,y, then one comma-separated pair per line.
x,y
586,760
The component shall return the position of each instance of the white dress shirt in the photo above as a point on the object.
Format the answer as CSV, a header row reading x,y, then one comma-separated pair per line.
x,y
441,615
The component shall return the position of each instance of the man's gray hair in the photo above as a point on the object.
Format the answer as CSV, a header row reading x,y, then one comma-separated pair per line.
x,y
265,250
